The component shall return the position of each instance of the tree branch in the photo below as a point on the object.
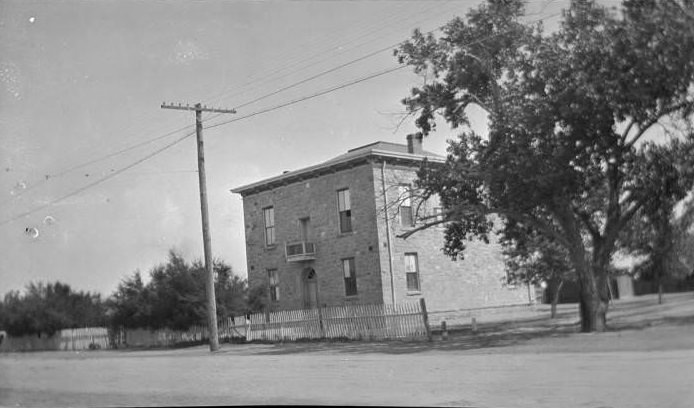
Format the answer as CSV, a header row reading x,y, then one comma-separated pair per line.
x,y
588,222
476,100
625,134
612,234
656,118
524,218
540,225
422,227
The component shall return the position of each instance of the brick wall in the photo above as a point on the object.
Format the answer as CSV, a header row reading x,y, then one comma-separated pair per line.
x,y
317,198
476,281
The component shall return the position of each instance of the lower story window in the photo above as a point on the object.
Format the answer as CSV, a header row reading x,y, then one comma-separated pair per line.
x,y
412,272
274,284
350,277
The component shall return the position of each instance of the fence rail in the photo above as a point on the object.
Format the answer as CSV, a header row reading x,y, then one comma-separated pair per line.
x,y
354,322
89,338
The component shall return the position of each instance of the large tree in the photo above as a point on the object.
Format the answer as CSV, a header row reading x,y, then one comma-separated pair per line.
x,y
567,113
174,297
49,307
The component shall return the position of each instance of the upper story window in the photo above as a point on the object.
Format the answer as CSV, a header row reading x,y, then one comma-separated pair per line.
x,y
304,227
269,221
405,198
412,272
350,277
344,209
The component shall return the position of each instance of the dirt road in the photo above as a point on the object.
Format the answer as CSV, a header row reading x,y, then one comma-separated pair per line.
x,y
649,366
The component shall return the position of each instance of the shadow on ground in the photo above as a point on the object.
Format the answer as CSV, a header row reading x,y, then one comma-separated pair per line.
x,y
457,340
491,337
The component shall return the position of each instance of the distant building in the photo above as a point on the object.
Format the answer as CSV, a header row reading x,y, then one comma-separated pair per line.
x,y
320,236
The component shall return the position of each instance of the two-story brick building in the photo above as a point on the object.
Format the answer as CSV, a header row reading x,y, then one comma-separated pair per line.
x,y
328,235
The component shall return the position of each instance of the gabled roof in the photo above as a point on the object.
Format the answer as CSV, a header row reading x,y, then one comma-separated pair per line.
x,y
384,150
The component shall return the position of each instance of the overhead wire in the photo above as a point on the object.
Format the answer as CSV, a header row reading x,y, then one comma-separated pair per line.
x,y
304,98
348,63
293,85
265,77
354,82
262,111
320,74
380,27
48,177
336,68
99,181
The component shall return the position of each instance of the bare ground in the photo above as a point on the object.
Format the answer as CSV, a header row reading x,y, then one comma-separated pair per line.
x,y
646,360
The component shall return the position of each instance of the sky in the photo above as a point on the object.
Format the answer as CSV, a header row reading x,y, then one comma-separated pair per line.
x,y
90,192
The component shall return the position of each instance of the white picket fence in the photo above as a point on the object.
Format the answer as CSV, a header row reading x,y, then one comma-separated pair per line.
x,y
354,322
88,338
227,329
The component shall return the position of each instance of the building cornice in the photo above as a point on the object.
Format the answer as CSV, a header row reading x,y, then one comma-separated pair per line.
x,y
335,165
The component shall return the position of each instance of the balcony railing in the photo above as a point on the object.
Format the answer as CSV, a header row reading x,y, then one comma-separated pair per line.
x,y
299,251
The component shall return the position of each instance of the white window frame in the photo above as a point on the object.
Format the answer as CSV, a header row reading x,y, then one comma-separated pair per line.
x,y
412,269
274,284
349,274
344,206
269,230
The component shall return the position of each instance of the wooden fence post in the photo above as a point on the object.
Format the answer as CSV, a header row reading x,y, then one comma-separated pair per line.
x,y
320,323
425,317
247,325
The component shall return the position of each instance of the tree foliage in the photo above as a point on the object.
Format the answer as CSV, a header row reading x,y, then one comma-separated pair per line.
x,y
533,258
175,296
568,113
45,308
664,239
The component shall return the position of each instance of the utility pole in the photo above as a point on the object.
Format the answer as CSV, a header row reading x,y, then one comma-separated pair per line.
x,y
207,245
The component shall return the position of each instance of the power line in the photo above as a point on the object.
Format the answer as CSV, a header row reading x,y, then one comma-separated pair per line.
x,y
380,26
40,182
345,85
231,92
276,107
160,150
99,181
354,82
354,61
320,74
87,163
314,77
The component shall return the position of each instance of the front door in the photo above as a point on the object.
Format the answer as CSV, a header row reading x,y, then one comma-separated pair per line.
x,y
310,289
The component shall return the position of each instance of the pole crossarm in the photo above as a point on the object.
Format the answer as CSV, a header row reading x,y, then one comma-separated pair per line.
x,y
196,107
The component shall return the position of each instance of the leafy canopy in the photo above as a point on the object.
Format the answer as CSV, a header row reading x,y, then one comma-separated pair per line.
x,y
175,296
570,114
45,308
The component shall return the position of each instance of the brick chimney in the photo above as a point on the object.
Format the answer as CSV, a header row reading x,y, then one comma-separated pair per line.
x,y
414,143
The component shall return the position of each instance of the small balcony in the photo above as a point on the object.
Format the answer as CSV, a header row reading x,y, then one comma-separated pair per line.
x,y
300,251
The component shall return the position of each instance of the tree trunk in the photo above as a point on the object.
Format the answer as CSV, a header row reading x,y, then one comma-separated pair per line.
x,y
594,302
660,291
555,299
590,267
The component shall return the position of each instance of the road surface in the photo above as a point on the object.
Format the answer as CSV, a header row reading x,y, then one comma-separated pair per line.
x,y
647,367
